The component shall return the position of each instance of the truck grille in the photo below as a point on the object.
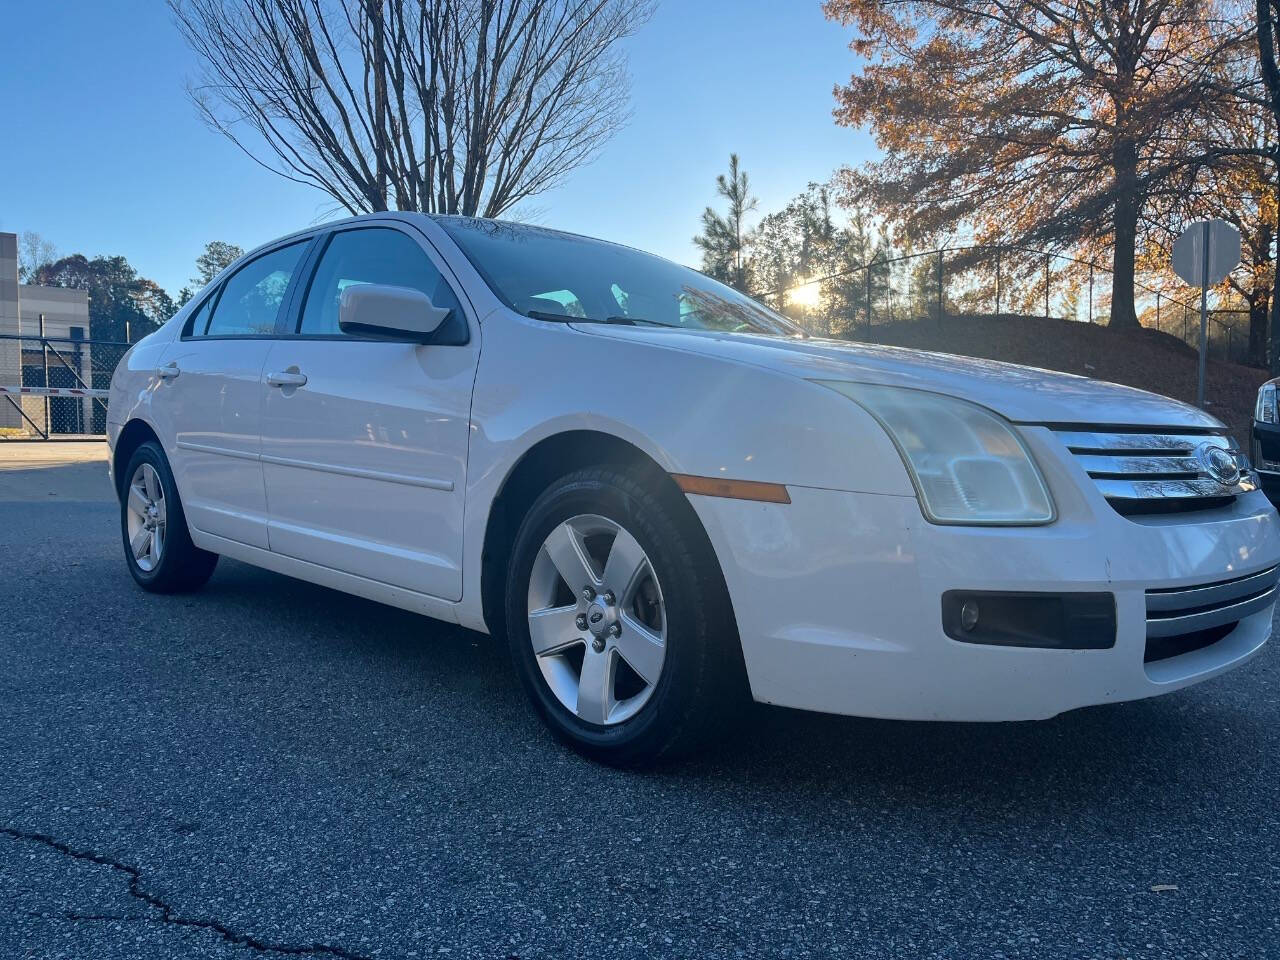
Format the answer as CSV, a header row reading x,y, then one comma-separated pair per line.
x,y
1182,619
1158,471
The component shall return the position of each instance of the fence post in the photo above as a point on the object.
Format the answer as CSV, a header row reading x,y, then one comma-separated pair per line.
x,y
1091,293
942,306
44,353
997,281
1046,286
888,290
868,269
1157,310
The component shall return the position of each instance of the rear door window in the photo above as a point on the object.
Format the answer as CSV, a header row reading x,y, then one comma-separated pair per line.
x,y
253,296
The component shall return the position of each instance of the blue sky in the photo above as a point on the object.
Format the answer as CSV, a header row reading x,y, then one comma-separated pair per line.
x,y
104,153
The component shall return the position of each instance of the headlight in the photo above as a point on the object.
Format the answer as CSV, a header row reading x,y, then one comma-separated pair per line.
x,y
1265,410
968,466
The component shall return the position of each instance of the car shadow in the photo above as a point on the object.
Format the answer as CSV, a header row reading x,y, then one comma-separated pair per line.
x,y
1090,758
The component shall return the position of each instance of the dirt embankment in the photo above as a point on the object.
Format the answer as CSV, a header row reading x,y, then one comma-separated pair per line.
x,y
1148,359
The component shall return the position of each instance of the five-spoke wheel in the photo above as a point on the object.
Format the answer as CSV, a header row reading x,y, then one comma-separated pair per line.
x,y
157,543
597,621
619,623
145,517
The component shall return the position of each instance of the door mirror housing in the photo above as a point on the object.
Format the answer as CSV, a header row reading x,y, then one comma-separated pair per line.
x,y
385,312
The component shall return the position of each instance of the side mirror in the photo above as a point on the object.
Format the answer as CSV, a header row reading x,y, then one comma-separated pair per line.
x,y
389,313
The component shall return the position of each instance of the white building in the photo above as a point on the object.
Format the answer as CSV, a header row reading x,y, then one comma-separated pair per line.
x,y
59,314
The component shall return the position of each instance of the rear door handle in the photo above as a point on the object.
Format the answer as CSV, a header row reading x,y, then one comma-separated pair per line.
x,y
286,378
168,372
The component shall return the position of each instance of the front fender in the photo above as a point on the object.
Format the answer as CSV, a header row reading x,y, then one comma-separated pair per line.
x,y
690,413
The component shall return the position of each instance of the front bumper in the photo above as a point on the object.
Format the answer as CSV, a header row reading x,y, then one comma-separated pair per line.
x,y
838,598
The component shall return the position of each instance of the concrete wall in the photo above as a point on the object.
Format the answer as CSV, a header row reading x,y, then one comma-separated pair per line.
x,y
63,309
10,362
8,283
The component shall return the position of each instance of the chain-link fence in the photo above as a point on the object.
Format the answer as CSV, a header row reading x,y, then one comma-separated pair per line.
x,y
55,388
1008,281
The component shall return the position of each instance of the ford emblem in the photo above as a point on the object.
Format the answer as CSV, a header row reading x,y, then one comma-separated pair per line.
x,y
1219,463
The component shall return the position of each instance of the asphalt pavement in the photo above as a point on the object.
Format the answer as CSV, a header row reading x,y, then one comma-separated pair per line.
x,y
269,768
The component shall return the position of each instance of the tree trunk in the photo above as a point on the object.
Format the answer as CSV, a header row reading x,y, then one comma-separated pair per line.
x,y
1259,299
1123,313
1258,329
1271,79
1275,300
379,69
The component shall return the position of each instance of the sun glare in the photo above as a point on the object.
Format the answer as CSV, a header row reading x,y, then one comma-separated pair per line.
x,y
808,295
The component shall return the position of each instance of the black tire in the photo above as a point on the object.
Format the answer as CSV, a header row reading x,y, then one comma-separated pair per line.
x,y
702,684
182,566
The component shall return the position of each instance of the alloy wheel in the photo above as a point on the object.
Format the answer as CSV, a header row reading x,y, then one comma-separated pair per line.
x,y
146,517
597,620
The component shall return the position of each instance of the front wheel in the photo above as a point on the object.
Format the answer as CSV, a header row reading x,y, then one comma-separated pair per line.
x,y
157,544
619,626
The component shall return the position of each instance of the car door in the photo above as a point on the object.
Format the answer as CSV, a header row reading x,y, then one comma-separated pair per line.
x,y
212,392
364,442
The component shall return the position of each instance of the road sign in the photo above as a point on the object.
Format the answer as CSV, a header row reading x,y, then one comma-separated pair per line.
x,y
1224,252
1206,252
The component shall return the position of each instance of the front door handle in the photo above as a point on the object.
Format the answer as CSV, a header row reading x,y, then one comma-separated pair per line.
x,y
168,372
286,378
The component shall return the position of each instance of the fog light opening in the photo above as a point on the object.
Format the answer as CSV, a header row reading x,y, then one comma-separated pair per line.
x,y
1055,621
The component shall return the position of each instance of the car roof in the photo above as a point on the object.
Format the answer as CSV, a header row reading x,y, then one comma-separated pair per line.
x,y
442,219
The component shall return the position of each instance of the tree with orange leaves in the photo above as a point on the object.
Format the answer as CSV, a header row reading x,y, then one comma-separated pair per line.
x,y
1031,122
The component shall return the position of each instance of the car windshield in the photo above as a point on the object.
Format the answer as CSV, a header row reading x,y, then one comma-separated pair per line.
x,y
550,275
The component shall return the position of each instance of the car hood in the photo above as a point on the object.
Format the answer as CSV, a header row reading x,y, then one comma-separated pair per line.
x,y
1022,394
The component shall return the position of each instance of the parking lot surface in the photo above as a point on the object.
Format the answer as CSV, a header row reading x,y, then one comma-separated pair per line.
x,y
268,768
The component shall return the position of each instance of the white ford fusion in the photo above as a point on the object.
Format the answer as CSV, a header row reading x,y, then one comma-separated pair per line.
x,y
667,497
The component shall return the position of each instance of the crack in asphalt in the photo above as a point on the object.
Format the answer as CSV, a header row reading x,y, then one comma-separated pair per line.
x,y
168,915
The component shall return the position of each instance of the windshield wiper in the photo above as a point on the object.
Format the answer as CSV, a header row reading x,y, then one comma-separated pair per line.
x,y
555,317
565,318
623,321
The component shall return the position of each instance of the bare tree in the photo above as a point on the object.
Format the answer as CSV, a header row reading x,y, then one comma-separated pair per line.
x,y
34,251
445,106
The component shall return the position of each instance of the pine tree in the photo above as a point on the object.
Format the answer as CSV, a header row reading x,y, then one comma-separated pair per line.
x,y
724,238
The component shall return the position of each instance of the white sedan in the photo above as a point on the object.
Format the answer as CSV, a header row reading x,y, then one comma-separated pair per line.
x,y
669,499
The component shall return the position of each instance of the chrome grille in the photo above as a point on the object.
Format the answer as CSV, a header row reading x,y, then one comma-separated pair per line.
x,y
1181,619
1157,470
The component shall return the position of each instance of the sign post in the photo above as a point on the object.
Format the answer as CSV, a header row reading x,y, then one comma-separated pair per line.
x,y
1206,252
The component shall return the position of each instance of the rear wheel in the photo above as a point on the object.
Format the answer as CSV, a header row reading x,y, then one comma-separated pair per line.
x,y
620,631
157,544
